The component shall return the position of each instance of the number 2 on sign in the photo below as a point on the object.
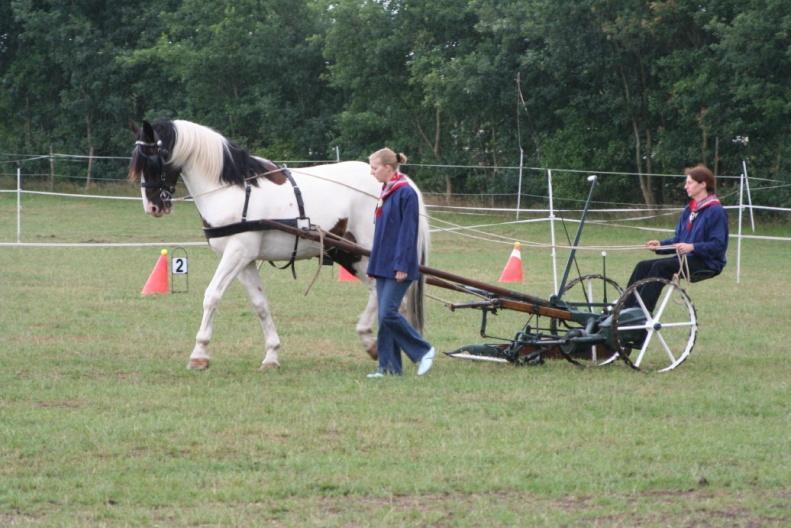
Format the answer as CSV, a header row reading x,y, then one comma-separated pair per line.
x,y
179,266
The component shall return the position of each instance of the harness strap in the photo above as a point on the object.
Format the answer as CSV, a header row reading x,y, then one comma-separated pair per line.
x,y
302,222
242,227
297,192
290,263
302,217
247,189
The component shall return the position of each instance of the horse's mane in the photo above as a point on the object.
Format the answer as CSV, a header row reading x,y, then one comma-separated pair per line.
x,y
197,147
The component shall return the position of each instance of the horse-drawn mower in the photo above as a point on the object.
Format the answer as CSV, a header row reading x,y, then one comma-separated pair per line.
x,y
591,321
588,324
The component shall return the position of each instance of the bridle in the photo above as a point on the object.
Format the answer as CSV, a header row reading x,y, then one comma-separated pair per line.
x,y
166,188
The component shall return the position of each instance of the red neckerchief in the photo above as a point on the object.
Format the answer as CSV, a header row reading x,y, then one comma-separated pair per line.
x,y
396,182
695,207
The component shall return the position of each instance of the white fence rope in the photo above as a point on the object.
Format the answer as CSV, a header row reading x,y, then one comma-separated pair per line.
x,y
71,195
466,231
98,244
442,208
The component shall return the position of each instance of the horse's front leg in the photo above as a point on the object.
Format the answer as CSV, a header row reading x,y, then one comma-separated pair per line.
x,y
231,263
252,282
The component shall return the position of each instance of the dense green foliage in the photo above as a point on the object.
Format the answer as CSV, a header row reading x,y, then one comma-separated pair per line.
x,y
623,85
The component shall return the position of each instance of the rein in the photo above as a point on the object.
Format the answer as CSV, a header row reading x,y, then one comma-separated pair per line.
x,y
683,271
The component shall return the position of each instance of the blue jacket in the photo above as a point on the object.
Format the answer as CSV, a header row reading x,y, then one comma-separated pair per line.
x,y
709,234
395,236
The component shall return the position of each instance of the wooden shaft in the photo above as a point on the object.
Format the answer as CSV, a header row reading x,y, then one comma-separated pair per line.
x,y
497,290
519,306
518,301
434,281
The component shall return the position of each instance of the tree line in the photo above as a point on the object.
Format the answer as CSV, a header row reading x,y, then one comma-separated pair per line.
x,y
642,87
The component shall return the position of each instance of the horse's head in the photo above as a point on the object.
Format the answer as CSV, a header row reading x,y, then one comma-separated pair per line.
x,y
150,166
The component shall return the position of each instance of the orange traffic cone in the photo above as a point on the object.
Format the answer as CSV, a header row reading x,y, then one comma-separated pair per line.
x,y
345,275
158,280
513,268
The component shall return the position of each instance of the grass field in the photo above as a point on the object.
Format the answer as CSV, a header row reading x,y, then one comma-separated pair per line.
x,y
102,425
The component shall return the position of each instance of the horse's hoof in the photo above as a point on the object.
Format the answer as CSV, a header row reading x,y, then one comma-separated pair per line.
x,y
268,365
198,364
373,352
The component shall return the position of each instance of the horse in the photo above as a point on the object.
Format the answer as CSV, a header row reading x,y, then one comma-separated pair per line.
x,y
232,188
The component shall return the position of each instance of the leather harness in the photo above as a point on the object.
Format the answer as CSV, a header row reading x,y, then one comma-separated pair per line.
x,y
302,222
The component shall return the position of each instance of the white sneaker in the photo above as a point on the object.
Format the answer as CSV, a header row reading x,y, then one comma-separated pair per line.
x,y
381,373
426,361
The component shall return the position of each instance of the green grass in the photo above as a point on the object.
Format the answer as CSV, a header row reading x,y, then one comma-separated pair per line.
x,y
102,425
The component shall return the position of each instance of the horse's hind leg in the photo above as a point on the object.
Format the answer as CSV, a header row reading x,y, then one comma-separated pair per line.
x,y
366,321
367,318
252,282
231,263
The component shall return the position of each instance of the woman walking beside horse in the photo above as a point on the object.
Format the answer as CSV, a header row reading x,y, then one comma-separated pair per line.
x,y
395,266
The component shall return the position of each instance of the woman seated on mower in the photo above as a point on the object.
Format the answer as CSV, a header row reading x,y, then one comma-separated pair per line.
x,y
701,235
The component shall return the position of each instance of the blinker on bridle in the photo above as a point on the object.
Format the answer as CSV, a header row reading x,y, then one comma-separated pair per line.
x,y
166,190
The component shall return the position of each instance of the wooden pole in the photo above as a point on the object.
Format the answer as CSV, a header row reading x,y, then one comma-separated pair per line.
x,y
332,240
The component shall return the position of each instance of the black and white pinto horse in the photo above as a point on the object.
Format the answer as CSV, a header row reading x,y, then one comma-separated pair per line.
x,y
231,187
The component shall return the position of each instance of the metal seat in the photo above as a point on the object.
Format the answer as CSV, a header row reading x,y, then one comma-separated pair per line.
x,y
703,274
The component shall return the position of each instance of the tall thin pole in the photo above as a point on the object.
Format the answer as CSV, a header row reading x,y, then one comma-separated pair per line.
x,y
552,233
739,238
18,205
519,188
749,195
573,252
51,169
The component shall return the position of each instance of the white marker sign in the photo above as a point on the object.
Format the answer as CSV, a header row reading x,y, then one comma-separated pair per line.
x,y
179,265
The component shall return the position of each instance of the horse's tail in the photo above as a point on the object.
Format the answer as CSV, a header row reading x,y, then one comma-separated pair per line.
x,y
414,303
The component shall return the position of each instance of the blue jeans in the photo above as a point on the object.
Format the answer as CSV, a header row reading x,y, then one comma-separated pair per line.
x,y
395,332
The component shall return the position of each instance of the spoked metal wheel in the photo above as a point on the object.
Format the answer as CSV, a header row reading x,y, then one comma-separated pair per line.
x,y
656,340
592,293
595,294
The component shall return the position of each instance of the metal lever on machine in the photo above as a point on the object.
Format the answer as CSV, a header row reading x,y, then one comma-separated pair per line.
x,y
592,179
485,305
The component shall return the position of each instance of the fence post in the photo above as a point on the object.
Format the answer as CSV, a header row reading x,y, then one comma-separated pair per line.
x,y
519,188
749,195
739,238
51,169
552,233
18,204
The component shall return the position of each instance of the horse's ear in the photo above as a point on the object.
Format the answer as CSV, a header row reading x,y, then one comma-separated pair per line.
x,y
134,128
148,132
